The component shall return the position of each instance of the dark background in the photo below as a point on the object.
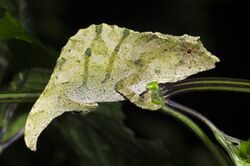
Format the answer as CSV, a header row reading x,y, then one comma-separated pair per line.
x,y
221,24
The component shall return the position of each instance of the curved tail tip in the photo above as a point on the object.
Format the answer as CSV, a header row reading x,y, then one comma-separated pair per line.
x,y
36,122
31,136
31,146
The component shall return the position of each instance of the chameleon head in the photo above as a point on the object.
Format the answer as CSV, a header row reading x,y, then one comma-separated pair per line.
x,y
193,56
179,57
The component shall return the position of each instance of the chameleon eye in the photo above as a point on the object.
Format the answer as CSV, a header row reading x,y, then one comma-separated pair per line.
x,y
189,51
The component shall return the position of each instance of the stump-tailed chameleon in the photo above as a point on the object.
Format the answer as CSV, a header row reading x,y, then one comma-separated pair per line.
x,y
105,63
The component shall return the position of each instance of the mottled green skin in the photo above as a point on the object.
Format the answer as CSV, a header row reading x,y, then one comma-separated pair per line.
x,y
104,63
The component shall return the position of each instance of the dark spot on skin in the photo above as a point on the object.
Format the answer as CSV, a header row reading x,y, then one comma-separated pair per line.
x,y
151,38
60,63
65,83
98,29
78,61
63,60
117,48
138,62
142,95
106,77
157,71
88,52
125,33
103,90
69,50
189,51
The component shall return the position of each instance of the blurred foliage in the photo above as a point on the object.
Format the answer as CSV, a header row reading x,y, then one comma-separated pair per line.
x,y
101,138
11,28
13,116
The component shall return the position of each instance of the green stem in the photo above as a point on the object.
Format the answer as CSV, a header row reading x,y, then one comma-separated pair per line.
x,y
232,145
18,97
183,118
206,84
170,107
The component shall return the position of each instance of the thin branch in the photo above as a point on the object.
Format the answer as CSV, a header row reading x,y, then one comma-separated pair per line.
x,y
18,97
12,139
205,84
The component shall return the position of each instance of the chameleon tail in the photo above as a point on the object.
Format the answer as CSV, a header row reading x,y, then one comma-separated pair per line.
x,y
44,111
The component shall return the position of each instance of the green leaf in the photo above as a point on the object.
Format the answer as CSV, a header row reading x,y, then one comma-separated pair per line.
x,y
4,63
33,80
244,150
186,120
236,148
10,28
26,86
101,138
239,150
16,7
17,121
13,116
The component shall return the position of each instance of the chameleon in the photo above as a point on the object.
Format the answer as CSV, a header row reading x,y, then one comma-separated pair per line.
x,y
107,63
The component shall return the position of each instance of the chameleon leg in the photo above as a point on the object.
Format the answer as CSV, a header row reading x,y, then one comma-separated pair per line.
x,y
144,101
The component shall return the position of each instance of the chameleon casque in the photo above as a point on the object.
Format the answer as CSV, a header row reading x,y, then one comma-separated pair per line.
x,y
105,63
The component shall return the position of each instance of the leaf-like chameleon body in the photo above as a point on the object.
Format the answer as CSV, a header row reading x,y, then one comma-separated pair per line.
x,y
104,63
